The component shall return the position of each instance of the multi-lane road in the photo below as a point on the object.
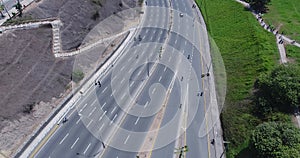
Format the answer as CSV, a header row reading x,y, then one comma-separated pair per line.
x,y
159,69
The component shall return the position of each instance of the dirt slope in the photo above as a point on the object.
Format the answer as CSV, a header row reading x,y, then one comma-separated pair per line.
x,y
29,73
78,16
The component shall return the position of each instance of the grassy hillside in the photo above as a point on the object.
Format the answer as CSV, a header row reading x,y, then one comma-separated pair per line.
x,y
247,51
286,15
293,53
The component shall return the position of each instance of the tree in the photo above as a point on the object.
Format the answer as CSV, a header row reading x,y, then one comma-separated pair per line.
x,y
259,5
77,76
279,90
277,140
18,6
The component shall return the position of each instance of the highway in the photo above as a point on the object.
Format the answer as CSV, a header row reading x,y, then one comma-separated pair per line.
x,y
159,68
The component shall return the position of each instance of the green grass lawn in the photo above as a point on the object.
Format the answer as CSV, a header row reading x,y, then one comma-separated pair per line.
x,y
247,51
286,14
293,53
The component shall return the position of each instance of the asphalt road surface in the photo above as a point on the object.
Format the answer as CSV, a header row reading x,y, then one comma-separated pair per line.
x,y
103,126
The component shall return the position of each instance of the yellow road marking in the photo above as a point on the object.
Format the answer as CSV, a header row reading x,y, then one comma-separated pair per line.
x,y
42,143
132,104
208,139
161,115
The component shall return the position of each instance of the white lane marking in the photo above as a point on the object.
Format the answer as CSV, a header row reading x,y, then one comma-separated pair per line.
x,y
151,38
87,148
176,41
185,42
122,80
122,67
78,121
89,123
147,31
137,120
146,105
159,38
113,92
170,58
72,113
64,138
103,105
83,107
159,78
153,90
101,127
113,110
92,111
131,84
123,96
79,99
165,69
126,139
94,102
114,78
139,73
102,115
113,119
75,142
104,90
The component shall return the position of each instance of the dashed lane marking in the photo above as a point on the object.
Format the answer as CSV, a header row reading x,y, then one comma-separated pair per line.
x,y
87,148
126,139
64,138
137,120
75,143
102,115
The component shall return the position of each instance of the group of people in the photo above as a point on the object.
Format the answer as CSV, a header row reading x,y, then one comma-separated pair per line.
x,y
269,28
98,83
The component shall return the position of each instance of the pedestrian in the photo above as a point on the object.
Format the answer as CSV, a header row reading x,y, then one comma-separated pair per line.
x,y
212,141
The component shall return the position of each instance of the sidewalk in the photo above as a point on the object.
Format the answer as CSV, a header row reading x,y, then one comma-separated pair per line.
x,y
13,10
